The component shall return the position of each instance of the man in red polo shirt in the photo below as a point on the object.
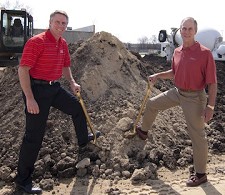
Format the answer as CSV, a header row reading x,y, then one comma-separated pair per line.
x,y
193,69
44,60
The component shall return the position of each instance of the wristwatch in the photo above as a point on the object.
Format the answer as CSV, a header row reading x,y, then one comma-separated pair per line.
x,y
211,107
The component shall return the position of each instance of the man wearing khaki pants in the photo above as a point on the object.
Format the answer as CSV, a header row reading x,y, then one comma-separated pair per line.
x,y
193,69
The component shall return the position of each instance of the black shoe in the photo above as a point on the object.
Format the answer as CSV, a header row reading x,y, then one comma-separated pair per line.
x,y
91,136
84,148
29,189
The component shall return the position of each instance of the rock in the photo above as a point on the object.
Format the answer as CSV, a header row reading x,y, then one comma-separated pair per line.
x,y
96,171
124,124
126,174
83,163
81,172
5,172
47,184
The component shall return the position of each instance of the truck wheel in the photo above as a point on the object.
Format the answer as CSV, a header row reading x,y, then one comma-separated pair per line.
x,y
162,36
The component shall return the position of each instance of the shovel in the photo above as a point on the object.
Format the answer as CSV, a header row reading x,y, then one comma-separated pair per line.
x,y
86,114
133,132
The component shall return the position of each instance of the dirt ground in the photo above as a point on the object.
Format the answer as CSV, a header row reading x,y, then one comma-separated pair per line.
x,y
113,82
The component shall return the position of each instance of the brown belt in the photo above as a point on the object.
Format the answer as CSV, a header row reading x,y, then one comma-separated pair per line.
x,y
188,90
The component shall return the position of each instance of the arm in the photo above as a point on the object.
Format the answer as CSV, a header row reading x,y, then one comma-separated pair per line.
x,y
162,75
69,77
212,91
24,78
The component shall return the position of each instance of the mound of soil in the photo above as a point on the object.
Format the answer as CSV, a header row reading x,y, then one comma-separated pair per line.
x,y
113,82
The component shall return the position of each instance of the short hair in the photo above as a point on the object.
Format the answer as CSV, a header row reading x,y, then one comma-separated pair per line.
x,y
59,12
190,18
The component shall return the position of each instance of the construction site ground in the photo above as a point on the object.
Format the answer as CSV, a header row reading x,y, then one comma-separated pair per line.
x,y
113,82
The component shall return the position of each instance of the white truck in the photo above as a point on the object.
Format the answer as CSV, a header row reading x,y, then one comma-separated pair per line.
x,y
209,37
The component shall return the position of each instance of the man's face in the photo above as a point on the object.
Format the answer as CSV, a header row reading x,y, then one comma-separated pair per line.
x,y
188,30
58,24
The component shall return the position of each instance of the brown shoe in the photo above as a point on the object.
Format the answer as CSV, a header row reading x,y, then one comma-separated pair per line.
x,y
194,181
142,134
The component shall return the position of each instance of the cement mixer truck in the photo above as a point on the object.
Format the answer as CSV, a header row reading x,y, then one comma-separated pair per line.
x,y
209,37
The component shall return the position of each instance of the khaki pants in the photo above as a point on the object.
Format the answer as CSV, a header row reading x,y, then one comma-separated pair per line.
x,y
193,105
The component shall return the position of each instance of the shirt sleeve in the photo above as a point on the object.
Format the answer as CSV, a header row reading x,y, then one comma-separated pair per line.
x,y
31,52
67,56
172,65
210,70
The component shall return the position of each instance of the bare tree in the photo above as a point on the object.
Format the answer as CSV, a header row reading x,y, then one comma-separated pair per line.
x,y
153,39
16,5
143,40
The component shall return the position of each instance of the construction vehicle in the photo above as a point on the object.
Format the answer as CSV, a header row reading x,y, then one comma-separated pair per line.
x,y
16,27
209,37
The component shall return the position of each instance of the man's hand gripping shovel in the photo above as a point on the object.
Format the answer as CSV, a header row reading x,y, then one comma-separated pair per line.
x,y
133,132
87,116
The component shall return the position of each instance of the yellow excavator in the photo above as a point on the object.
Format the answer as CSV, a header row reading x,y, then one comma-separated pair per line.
x,y
16,27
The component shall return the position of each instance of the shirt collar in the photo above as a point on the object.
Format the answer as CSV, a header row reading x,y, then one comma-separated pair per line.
x,y
51,37
192,48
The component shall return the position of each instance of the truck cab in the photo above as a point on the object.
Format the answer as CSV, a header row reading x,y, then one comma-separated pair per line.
x,y
16,27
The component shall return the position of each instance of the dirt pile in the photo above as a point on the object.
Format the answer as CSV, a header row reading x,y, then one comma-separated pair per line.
x,y
113,86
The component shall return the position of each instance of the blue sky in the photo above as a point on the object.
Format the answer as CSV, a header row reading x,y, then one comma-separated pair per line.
x,y
130,20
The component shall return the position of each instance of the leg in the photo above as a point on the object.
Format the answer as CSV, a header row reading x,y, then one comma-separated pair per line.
x,y
34,133
193,105
69,104
162,101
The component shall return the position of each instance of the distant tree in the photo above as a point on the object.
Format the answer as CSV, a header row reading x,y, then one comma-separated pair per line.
x,y
153,39
15,5
143,41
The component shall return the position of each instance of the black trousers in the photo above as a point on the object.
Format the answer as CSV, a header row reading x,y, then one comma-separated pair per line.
x,y
47,96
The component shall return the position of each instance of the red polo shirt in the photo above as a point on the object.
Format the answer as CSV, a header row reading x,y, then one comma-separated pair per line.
x,y
45,56
193,67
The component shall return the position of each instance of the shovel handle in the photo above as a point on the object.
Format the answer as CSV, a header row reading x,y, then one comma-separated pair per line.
x,y
144,101
86,114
